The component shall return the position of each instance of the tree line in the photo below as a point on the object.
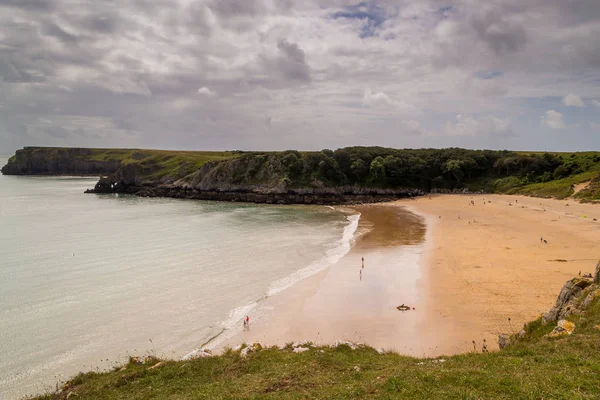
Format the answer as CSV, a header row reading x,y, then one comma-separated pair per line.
x,y
419,168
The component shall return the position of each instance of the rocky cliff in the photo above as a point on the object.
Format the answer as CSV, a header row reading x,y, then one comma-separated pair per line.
x,y
252,179
58,161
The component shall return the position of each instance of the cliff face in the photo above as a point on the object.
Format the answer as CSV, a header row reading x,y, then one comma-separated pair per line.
x,y
57,161
254,179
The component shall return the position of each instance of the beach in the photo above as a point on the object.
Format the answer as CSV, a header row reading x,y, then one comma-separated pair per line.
x,y
470,272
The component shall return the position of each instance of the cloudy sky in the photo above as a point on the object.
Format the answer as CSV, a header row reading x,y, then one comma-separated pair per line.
x,y
312,74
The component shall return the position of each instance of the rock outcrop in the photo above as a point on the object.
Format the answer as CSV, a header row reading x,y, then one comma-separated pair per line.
x,y
575,297
565,302
57,161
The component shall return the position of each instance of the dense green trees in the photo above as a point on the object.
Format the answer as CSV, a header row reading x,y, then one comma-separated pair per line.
x,y
422,168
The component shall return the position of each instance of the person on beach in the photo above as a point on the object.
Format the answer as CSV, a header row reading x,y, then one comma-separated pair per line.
x,y
363,262
360,274
247,323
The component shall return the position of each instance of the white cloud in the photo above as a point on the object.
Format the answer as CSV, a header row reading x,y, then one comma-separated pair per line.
x,y
596,103
381,99
206,91
553,120
572,100
377,98
466,125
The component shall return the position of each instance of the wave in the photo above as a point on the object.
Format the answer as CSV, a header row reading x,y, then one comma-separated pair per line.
x,y
331,257
233,324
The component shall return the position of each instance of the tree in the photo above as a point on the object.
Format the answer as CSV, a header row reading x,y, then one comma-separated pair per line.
x,y
377,170
359,169
454,168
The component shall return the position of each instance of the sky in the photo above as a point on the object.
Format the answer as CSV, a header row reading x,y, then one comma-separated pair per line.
x,y
308,75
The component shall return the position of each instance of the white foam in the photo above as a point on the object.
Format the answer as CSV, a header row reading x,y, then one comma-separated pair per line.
x,y
233,324
237,314
332,256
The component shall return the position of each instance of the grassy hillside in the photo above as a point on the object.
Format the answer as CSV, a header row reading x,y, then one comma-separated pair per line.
x,y
150,164
534,367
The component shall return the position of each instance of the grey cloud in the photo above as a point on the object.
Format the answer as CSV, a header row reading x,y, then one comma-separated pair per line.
x,y
37,5
233,8
12,72
51,29
292,63
502,36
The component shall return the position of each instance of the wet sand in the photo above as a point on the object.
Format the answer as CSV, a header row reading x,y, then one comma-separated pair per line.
x,y
339,304
464,276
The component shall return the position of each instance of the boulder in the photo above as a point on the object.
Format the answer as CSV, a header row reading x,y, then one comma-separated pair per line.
x,y
503,341
597,275
300,349
200,353
563,328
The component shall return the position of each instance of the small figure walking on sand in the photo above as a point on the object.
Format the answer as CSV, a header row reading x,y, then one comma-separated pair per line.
x,y
360,274
363,262
246,323
541,239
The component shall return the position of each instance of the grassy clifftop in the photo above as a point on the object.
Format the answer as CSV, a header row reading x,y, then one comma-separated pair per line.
x,y
151,164
534,366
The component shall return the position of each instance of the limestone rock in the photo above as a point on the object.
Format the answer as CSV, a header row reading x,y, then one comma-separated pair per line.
x,y
337,343
590,298
563,328
300,349
200,353
503,341
562,308
597,275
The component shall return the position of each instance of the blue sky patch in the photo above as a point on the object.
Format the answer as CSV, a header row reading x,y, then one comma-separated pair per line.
x,y
487,75
372,15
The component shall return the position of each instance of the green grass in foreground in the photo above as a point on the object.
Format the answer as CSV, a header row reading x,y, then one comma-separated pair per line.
x,y
536,367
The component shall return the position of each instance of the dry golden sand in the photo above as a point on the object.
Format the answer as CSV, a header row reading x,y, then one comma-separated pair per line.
x,y
475,272
486,263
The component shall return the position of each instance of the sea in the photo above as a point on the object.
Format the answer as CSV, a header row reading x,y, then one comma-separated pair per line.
x,y
88,280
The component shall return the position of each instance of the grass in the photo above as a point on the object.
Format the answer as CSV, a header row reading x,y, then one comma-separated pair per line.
x,y
535,367
151,165
560,188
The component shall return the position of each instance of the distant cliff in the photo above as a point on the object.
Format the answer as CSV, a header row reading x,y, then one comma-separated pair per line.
x,y
58,161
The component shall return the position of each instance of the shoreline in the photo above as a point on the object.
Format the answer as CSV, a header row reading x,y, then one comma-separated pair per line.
x,y
340,304
457,301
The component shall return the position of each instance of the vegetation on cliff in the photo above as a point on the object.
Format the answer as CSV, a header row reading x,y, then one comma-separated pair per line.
x,y
539,363
531,173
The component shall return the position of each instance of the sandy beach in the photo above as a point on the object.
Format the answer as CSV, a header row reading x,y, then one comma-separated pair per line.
x,y
465,269
486,263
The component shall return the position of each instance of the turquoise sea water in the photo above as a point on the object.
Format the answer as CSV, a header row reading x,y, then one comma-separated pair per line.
x,y
86,280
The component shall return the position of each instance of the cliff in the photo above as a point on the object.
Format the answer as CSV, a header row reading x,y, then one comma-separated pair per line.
x,y
58,161
347,175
